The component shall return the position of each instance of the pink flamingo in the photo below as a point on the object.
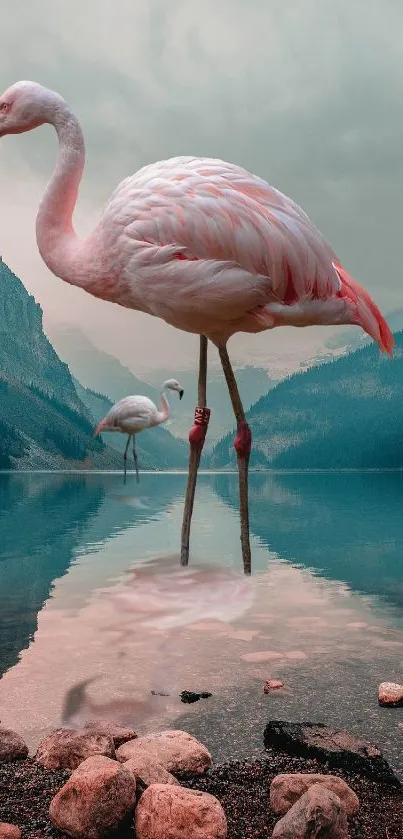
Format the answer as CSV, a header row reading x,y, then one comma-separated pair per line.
x,y
204,245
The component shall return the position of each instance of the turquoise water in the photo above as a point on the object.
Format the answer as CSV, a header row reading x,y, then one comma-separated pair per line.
x,y
326,618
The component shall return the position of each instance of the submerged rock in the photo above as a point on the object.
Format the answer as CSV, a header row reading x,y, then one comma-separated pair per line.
x,y
167,812
390,694
272,684
66,748
12,746
189,696
318,813
285,790
98,796
175,750
328,745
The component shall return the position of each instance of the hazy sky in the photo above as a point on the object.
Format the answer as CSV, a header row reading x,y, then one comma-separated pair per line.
x,y
306,93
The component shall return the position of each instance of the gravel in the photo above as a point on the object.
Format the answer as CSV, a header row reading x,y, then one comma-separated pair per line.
x,y
26,789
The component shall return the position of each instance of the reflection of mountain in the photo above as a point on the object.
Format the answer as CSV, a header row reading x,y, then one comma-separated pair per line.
x,y
347,527
45,520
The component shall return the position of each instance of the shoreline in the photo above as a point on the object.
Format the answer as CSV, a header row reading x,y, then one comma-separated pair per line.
x,y
242,788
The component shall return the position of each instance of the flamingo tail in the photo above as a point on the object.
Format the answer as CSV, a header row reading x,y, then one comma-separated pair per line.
x,y
368,315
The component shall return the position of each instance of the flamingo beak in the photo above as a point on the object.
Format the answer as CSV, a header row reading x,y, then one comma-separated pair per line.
x,y
180,394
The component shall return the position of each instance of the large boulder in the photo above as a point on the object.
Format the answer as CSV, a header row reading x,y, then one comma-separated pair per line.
x,y
96,799
9,831
12,746
119,733
390,694
285,790
318,813
169,812
175,750
329,745
66,748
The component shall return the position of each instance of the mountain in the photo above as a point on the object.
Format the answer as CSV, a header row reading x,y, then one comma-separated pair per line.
x,y
44,424
96,369
347,413
252,383
102,373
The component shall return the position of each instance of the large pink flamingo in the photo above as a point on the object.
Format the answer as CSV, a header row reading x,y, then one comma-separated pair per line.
x,y
202,244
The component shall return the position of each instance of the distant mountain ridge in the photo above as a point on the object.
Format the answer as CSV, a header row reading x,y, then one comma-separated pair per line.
x,y
347,413
101,372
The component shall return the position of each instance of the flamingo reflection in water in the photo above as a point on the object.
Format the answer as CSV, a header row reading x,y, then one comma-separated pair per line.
x,y
157,600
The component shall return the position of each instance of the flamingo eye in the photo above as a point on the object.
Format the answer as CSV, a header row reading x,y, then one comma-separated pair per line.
x,y
4,107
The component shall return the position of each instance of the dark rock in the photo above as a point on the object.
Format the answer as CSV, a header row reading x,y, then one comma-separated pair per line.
x,y
331,746
189,696
12,746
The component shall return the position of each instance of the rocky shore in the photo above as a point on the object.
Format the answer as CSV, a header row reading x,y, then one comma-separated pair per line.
x,y
104,779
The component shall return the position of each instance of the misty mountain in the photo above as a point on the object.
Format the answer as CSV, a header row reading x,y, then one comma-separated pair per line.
x,y
347,413
101,372
97,370
44,424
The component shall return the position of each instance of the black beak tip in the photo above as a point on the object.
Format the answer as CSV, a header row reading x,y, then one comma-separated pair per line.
x,y
180,394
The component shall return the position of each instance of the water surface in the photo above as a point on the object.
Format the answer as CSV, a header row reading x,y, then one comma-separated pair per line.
x,y
326,616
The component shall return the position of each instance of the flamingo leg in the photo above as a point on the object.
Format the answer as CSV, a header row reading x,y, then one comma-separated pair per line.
x,y
125,458
135,459
242,445
197,436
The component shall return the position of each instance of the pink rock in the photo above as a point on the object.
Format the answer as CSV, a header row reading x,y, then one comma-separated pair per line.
x,y
167,812
390,694
66,748
99,794
176,751
319,812
9,831
119,733
272,684
146,769
285,790
12,746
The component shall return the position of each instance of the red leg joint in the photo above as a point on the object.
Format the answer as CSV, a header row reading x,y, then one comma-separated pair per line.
x,y
197,433
243,440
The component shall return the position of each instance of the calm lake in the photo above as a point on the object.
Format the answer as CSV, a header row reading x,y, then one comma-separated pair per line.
x,y
324,614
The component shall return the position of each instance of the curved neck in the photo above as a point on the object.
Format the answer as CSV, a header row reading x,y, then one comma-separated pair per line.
x,y
57,241
165,410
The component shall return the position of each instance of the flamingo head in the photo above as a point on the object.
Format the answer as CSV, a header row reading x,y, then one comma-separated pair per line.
x,y
26,105
172,384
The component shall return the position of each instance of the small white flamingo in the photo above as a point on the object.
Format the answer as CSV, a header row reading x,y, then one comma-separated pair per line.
x,y
135,413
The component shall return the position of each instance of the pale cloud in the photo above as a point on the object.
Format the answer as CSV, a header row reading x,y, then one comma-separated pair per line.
x,y
306,94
